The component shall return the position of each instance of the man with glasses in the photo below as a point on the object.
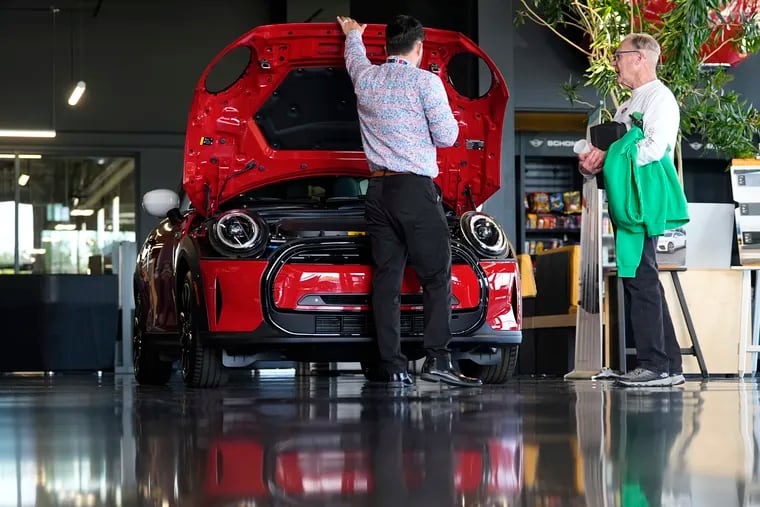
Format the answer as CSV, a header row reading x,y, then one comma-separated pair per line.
x,y
404,114
658,352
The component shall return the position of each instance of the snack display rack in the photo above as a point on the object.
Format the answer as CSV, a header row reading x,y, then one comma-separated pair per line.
x,y
549,189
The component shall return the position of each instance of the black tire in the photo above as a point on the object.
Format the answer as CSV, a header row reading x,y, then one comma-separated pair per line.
x,y
496,373
671,247
149,368
201,365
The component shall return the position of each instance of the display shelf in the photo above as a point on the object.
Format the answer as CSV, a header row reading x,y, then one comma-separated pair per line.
x,y
547,164
553,231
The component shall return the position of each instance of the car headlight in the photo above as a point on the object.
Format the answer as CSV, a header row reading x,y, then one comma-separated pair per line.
x,y
484,234
238,233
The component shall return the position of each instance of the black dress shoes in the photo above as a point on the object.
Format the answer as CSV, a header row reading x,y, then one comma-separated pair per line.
x,y
440,369
400,379
380,375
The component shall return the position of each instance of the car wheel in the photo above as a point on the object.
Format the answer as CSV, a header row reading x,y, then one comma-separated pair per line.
x,y
495,373
201,364
671,247
149,368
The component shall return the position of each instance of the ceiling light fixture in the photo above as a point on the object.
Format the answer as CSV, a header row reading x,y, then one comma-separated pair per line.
x,y
27,133
28,156
23,179
82,212
77,93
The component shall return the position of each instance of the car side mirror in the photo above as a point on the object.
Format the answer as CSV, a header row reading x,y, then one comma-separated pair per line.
x,y
160,202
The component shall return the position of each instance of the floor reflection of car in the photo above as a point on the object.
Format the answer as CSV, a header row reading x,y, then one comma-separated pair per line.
x,y
263,255
313,469
671,241
331,450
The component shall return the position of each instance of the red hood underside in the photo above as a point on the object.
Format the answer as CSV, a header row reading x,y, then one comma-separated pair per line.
x,y
292,113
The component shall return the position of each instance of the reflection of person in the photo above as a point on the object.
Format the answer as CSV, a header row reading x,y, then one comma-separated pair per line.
x,y
404,114
644,455
661,199
410,466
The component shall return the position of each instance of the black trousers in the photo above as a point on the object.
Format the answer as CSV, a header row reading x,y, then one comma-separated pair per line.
x,y
406,222
648,318
391,441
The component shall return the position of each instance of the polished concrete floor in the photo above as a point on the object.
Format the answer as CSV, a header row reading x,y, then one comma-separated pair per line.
x,y
84,440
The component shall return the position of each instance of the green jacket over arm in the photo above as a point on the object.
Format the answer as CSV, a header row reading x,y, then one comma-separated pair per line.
x,y
642,201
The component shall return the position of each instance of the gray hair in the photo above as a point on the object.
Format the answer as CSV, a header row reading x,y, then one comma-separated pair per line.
x,y
644,41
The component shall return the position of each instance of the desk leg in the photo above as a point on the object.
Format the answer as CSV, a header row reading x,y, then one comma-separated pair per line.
x,y
756,321
689,324
622,356
745,332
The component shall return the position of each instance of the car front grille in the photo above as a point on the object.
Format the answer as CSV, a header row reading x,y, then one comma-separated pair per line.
x,y
321,322
362,324
350,256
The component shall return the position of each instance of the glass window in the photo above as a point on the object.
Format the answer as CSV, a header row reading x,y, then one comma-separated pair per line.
x,y
72,210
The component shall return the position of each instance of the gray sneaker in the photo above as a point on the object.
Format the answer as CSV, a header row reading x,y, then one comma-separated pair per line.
x,y
645,378
676,379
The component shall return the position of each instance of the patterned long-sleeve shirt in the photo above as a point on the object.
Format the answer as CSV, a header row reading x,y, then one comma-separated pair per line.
x,y
404,113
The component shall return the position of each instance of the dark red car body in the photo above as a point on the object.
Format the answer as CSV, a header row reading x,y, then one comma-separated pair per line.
x,y
274,152
309,471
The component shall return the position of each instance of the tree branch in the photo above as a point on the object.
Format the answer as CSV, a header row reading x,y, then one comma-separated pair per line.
x,y
539,20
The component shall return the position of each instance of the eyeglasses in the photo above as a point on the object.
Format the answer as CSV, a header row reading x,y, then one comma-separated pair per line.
x,y
617,54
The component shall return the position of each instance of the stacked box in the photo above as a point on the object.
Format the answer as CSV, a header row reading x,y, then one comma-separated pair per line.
x,y
745,184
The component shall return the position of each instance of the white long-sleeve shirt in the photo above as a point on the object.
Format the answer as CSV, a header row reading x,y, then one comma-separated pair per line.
x,y
661,116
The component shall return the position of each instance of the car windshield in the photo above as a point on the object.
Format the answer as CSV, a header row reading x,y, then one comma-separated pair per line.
x,y
320,190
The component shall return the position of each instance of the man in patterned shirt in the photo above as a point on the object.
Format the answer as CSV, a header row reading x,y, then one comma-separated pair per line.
x,y
404,115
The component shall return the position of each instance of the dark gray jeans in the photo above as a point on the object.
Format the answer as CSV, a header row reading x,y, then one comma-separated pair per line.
x,y
648,318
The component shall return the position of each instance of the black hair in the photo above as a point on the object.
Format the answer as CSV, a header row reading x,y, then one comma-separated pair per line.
x,y
402,34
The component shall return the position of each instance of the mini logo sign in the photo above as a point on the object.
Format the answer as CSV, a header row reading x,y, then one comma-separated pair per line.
x,y
560,143
552,143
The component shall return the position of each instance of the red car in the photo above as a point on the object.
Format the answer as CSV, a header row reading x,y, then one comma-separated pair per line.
x,y
313,443
319,470
264,255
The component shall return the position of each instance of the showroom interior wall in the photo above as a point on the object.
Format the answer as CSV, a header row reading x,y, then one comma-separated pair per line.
x,y
141,60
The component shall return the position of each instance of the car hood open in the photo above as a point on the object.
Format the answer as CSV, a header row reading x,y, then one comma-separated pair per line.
x,y
289,111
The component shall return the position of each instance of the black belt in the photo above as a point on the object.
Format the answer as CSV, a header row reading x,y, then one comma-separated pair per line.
x,y
382,171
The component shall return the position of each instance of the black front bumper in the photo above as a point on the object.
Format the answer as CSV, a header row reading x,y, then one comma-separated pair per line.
x,y
266,336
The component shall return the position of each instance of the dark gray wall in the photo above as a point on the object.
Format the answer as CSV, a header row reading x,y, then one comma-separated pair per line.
x,y
493,15
141,60
324,11
542,63
746,79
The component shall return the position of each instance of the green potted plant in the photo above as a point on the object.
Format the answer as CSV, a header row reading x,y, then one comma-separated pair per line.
x,y
691,33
